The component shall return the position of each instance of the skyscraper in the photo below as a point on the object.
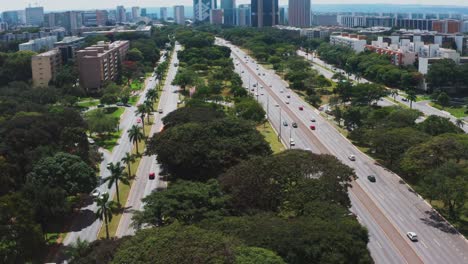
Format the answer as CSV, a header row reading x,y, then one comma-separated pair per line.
x,y
35,16
163,13
299,13
135,12
179,16
10,17
202,8
243,15
121,16
229,11
264,13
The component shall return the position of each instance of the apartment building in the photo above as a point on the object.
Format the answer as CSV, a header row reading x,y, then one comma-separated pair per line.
x,y
99,63
45,67
36,45
400,54
353,41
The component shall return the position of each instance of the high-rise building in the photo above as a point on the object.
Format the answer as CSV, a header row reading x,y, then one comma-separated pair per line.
x,y
299,13
283,20
179,16
135,12
163,13
229,11
3,26
34,16
143,12
45,67
10,17
121,16
201,9
99,63
216,16
265,13
243,16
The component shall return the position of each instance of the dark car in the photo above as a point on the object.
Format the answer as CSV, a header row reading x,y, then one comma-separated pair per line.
x,y
294,124
371,178
152,176
100,105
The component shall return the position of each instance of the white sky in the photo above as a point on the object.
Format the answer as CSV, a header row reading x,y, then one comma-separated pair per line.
x,y
51,5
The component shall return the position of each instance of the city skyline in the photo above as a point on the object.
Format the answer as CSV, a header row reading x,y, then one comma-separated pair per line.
x,y
51,5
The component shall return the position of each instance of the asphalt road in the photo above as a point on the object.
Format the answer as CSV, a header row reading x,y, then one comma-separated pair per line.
x,y
85,225
389,208
142,185
328,71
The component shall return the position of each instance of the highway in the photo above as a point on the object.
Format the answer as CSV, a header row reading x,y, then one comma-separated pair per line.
x,y
389,208
142,185
328,71
85,225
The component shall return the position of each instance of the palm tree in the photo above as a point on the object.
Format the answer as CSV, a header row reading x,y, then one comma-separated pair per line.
x,y
151,95
77,249
149,109
105,210
411,96
394,93
135,135
128,159
459,123
117,174
142,111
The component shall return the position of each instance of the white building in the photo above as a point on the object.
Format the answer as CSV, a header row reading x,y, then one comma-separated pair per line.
x,y
179,16
36,45
317,32
135,12
353,41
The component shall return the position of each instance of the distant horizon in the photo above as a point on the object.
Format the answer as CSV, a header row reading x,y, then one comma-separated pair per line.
x,y
283,5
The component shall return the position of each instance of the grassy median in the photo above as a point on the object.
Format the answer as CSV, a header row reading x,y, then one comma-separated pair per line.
x,y
271,137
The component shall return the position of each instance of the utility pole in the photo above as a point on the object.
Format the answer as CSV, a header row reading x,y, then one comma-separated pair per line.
x,y
280,124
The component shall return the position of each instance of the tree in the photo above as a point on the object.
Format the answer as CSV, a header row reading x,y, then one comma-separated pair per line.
x,y
117,174
437,125
128,159
256,255
21,239
152,95
149,109
443,99
459,123
367,93
141,111
135,55
284,182
99,251
64,171
411,96
303,239
250,109
200,151
192,113
185,201
192,244
135,135
99,122
105,210
77,250
394,93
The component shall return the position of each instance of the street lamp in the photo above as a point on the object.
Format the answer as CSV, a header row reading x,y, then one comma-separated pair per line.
x,y
280,124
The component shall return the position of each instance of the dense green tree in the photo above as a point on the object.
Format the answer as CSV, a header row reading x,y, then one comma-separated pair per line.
x,y
135,55
200,151
284,182
21,239
64,171
187,114
185,201
256,255
99,251
443,99
436,125
367,93
177,244
99,122
250,109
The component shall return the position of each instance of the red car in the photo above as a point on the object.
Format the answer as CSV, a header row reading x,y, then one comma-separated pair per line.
x,y
312,127
301,108
152,176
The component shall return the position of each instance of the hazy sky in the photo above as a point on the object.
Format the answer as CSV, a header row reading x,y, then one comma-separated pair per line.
x,y
91,4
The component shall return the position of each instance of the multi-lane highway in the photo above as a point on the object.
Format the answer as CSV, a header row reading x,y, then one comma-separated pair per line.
x,y
85,225
389,208
142,185
328,71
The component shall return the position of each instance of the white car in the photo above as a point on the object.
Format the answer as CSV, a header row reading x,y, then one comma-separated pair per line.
x,y
160,111
292,142
96,192
352,158
412,236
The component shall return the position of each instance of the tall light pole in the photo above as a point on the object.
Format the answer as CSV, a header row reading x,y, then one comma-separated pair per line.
x,y
280,125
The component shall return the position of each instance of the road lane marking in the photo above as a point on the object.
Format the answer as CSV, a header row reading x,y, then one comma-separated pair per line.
x,y
437,242
424,244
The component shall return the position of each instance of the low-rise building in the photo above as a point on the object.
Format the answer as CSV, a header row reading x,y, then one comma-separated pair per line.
x,y
45,67
36,45
400,54
68,47
144,30
99,63
353,41
318,32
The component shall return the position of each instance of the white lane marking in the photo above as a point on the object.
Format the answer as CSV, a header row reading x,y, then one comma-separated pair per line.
x,y
424,244
378,244
401,218
435,240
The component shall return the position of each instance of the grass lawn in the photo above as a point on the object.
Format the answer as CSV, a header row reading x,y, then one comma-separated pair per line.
x,y
271,137
423,97
124,190
457,112
133,100
109,141
136,85
88,103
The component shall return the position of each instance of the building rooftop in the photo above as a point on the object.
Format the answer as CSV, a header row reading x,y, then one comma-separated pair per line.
x,y
71,39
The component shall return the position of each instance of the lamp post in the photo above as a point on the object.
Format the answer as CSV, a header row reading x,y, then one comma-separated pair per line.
x,y
280,124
